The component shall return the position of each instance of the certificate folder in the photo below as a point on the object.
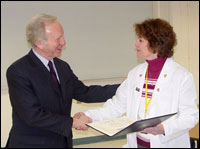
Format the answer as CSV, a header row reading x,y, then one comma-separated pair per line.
x,y
123,125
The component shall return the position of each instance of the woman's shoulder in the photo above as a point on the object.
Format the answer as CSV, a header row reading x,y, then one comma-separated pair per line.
x,y
177,67
177,70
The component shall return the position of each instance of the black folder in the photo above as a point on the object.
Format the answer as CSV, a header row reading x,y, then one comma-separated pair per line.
x,y
139,125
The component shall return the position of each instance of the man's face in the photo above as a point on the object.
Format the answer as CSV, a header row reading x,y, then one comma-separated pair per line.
x,y
55,41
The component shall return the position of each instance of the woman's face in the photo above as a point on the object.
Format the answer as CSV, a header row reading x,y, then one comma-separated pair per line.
x,y
143,49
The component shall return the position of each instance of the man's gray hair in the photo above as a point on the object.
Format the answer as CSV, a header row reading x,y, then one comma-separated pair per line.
x,y
35,29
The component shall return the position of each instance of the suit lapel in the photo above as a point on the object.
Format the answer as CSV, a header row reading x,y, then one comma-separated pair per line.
x,y
62,76
42,72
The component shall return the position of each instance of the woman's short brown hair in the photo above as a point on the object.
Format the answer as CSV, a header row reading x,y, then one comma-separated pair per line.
x,y
159,34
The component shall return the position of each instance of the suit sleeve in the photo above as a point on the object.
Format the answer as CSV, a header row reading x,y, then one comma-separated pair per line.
x,y
93,93
26,106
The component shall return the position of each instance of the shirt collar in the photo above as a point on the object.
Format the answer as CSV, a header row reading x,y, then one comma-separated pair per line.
x,y
42,59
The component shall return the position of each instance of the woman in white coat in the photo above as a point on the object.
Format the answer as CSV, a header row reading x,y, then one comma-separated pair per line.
x,y
157,87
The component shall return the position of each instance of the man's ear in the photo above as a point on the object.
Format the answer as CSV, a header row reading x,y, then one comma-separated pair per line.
x,y
39,44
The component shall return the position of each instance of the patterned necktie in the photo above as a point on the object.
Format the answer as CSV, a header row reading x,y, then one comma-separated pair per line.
x,y
53,73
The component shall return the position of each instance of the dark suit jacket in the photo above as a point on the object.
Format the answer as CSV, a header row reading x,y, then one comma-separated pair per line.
x,y
40,110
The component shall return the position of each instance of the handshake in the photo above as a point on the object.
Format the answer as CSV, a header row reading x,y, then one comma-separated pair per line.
x,y
80,120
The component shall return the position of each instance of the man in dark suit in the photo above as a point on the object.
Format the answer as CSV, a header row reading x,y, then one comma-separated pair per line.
x,y
41,89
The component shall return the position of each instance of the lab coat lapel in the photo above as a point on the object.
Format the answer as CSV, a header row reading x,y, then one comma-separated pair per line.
x,y
163,79
139,87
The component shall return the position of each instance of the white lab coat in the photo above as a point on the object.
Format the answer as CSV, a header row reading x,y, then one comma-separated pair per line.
x,y
174,92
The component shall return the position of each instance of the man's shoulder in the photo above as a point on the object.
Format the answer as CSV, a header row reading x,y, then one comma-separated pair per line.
x,y
23,63
18,66
19,62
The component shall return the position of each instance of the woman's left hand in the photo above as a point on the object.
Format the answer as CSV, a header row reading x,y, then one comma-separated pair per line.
x,y
159,129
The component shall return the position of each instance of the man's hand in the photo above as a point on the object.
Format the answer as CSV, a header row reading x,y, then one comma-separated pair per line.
x,y
80,120
78,115
159,129
79,125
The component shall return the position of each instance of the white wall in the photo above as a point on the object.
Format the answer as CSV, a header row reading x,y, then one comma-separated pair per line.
x,y
99,34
